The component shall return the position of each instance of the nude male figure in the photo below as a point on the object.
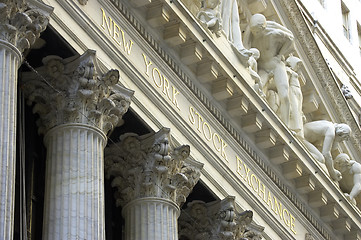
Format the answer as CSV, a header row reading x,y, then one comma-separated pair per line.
x,y
274,43
326,134
351,174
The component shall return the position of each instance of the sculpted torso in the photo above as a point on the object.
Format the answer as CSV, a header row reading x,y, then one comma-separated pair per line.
x,y
315,132
269,46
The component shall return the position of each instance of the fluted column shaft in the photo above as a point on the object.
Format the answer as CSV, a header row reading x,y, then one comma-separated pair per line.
x,y
74,191
151,218
9,64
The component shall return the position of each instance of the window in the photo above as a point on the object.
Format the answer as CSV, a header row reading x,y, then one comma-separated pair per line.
x,y
345,21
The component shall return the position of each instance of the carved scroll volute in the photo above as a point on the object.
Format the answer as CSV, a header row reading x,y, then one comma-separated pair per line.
x,y
74,90
21,22
147,166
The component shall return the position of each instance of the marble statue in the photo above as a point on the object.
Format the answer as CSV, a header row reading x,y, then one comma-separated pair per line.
x,y
231,28
325,134
295,96
253,69
351,175
210,16
274,43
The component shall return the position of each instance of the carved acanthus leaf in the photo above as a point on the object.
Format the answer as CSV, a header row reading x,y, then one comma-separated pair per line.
x,y
216,220
21,22
147,166
73,90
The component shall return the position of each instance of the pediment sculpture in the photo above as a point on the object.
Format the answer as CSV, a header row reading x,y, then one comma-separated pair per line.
x,y
351,176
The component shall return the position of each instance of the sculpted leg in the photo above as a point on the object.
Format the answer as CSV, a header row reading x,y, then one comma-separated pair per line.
x,y
314,151
281,81
355,190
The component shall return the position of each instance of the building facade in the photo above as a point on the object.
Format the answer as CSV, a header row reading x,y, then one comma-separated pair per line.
x,y
215,119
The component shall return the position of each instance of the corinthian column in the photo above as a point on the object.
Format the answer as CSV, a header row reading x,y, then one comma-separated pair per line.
x,y
21,23
217,220
78,106
152,181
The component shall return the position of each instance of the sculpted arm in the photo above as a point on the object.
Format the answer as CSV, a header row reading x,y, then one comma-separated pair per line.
x,y
326,152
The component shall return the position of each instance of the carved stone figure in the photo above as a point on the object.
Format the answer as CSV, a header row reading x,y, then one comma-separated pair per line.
x,y
325,134
210,16
351,175
253,69
274,43
231,27
295,95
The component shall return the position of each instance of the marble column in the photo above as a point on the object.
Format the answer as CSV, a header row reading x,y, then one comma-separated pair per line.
x,y
78,107
217,220
21,23
152,181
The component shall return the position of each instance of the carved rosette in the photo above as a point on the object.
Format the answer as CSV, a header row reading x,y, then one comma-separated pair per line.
x,y
217,220
147,166
21,22
73,90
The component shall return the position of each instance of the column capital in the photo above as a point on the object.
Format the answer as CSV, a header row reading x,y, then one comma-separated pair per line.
x,y
21,22
218,220
74,90
147,166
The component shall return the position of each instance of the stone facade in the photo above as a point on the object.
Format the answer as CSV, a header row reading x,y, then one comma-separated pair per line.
x,y
272,143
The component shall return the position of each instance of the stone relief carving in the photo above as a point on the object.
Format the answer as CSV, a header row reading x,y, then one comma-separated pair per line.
x,y
324,135
216,220
274,42
21,22
148,166
75,91
295,96
308,236
346,92
351,176
83,2
210,16
231,28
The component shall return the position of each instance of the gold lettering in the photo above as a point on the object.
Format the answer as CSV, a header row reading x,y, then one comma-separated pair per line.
x,y
215,135
109,25
269,200
166,87
247,170
293,224
209,131
239,165
146,64
191,116
223,152
127,48
174,99
256,179
159,77
287,222
278,206
200,119
116,30
263,191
